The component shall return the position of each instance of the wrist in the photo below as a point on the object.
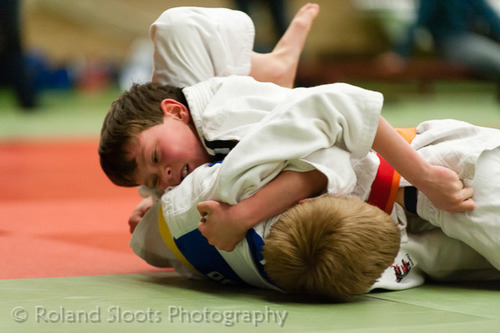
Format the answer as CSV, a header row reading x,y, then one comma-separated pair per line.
x,y
244,216
419,172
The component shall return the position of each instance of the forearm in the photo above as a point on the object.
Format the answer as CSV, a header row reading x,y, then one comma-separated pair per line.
x,y
286,190
398,153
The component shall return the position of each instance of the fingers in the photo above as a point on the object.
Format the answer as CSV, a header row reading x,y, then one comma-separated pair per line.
x,y
466,203
205,228
202,228
132,224
467,192
202,208
134,219
205,207
207,232
140,210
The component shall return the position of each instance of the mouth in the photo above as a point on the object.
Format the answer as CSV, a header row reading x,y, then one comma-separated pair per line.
x,y
185,172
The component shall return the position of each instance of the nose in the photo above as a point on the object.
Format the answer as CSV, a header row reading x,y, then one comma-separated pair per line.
x,y
166,178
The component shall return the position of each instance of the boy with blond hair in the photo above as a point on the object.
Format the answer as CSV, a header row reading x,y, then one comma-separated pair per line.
x,y
331,248
339,246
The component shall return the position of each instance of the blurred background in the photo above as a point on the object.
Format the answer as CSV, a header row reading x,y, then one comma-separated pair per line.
x,y
78,55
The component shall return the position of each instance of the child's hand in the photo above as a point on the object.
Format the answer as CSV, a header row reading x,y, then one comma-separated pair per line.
x,y
220,225
139,212
446,191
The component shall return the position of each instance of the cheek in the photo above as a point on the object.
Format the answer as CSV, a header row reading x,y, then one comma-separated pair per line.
x,y
183,146
176,152
192,146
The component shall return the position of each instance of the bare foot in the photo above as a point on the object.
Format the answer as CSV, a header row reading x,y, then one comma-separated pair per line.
x,y
301,24
290,46
280,66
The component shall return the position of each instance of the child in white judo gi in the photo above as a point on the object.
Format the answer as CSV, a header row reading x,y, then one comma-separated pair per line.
x,y
193,44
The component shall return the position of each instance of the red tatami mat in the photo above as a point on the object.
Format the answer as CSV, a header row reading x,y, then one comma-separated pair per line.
x,y
60,216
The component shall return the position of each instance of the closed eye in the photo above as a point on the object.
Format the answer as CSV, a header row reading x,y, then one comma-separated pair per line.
x,y
155,156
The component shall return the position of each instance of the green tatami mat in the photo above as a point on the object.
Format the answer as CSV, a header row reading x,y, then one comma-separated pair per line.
x,y
65,114
476,103
165,302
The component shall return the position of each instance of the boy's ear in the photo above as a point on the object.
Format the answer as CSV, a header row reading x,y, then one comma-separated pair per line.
x,y
175,109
